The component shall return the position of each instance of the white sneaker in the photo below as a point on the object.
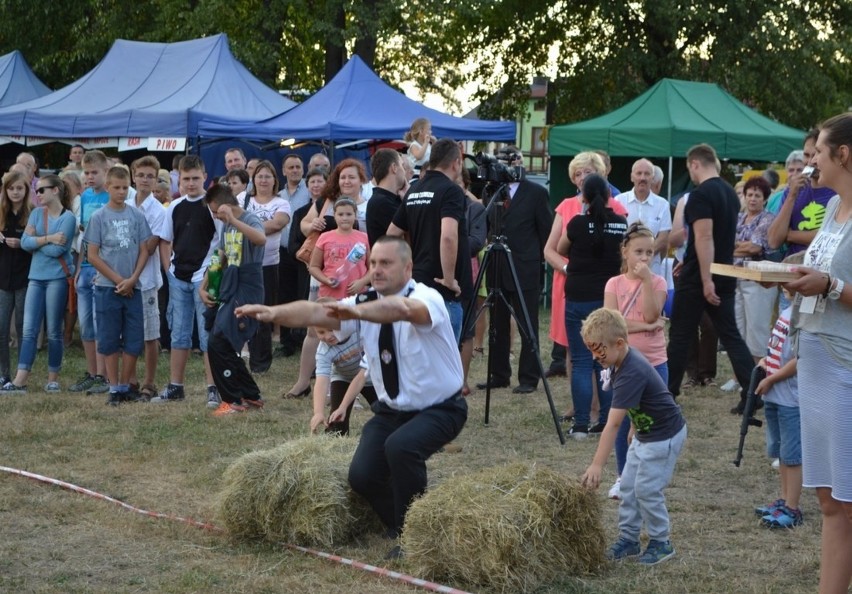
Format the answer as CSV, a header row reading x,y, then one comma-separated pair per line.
x,y
776,463
730,386
615,490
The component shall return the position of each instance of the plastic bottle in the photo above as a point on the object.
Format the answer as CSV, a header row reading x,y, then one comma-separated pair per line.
x,y
355,255
214,277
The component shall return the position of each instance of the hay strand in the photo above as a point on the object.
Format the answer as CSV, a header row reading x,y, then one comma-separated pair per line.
x,y
506,529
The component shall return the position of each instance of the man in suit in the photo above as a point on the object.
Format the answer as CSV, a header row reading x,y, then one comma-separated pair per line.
x,y
526,222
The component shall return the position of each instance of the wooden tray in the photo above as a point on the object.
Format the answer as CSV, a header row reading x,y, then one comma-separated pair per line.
x,y
762,276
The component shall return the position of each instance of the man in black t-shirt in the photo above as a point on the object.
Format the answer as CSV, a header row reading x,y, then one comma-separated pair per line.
x,y
389,173
433,213
711,215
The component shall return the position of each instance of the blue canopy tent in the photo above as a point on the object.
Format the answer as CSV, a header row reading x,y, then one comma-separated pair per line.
x,y
356,104
145,89
17,82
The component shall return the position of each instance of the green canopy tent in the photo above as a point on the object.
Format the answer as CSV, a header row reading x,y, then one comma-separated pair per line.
x,y
670,117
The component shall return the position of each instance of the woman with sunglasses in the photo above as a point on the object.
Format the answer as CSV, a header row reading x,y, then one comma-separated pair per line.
x,y
48,236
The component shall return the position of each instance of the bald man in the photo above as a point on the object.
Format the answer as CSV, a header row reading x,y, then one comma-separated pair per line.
x,y
653,211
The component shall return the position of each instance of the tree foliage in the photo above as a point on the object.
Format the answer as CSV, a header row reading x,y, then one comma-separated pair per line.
x,y
790,59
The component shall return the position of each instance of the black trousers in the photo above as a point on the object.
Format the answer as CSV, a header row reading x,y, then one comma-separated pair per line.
x,y
389,465
230,374
701,364
260,347
292,286
528,371
689,305
338,391
558,358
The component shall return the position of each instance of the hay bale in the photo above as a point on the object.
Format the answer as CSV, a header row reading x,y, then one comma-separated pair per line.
x,y
508,529
297,492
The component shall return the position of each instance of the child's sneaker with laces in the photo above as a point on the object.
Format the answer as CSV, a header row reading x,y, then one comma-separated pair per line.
x,y
213,398
100,385
615,490
226,408
623,548
172,393
579,432
783,517
86,382
657,552
12,389
52,388
766,510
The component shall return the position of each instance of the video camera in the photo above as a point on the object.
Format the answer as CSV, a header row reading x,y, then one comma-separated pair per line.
x,y
495,169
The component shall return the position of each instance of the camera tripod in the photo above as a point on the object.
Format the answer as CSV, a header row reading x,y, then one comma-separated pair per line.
x,y
498,254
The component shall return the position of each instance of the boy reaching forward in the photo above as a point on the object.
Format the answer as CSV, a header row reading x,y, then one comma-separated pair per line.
x,y
242,243
660,432
117,238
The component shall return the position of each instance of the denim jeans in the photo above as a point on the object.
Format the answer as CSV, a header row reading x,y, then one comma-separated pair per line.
x,y
184,301
456,313
10,300
583,364
44,297
624,430
783,433
86,302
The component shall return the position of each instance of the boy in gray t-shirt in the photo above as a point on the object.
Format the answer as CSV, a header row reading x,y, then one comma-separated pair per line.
x,y
637,392
116,238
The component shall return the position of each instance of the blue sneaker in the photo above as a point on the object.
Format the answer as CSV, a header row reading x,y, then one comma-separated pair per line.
x,y
657,552
783,517
622,549
766,510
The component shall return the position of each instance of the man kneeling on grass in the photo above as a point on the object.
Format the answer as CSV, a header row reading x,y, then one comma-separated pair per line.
x,y
241,247
415,366
660,432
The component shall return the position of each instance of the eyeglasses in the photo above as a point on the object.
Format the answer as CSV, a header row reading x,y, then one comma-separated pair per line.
x,y
43,189
145,176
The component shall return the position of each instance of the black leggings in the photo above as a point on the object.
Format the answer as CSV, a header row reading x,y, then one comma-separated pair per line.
x,y
338,391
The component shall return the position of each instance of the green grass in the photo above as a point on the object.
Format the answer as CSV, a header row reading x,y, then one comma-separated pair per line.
x,y
170,458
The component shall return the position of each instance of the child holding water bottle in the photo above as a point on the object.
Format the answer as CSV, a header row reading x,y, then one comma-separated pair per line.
x,y
340,259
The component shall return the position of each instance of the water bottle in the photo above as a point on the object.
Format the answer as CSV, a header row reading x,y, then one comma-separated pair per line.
x,y
355,255
214,276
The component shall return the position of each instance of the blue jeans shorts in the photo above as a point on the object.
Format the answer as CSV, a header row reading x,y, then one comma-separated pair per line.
x,y
783,433
184,301
121,326
86,302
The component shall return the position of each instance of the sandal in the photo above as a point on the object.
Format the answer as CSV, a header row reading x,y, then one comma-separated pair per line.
x,y
478,351
147,392
297,395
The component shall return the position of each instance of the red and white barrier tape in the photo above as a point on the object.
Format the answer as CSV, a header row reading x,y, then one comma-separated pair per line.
x,y
395,575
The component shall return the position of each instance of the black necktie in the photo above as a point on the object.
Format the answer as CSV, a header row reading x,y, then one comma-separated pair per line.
x,y
387,355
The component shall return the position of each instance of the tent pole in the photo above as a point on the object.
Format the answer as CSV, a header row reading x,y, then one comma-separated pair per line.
x,y
670,180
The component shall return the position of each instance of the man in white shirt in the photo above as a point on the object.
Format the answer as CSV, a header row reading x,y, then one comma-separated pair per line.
x,y
644,205
414,363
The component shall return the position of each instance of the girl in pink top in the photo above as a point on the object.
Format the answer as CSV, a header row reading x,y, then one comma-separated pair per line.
x,y
639,295
331,250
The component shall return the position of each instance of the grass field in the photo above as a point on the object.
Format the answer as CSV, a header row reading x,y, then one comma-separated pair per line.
x,y
170,458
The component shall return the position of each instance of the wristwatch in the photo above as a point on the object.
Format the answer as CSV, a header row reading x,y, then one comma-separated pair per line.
x,y
837,290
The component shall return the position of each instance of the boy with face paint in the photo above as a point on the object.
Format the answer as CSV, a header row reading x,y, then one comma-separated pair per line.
x,y
639,392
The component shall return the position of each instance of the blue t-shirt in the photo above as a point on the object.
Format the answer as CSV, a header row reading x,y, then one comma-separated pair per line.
x,y
638,388
90,202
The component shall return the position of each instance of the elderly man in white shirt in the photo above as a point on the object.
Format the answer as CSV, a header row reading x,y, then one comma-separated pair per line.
x,y
644,205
